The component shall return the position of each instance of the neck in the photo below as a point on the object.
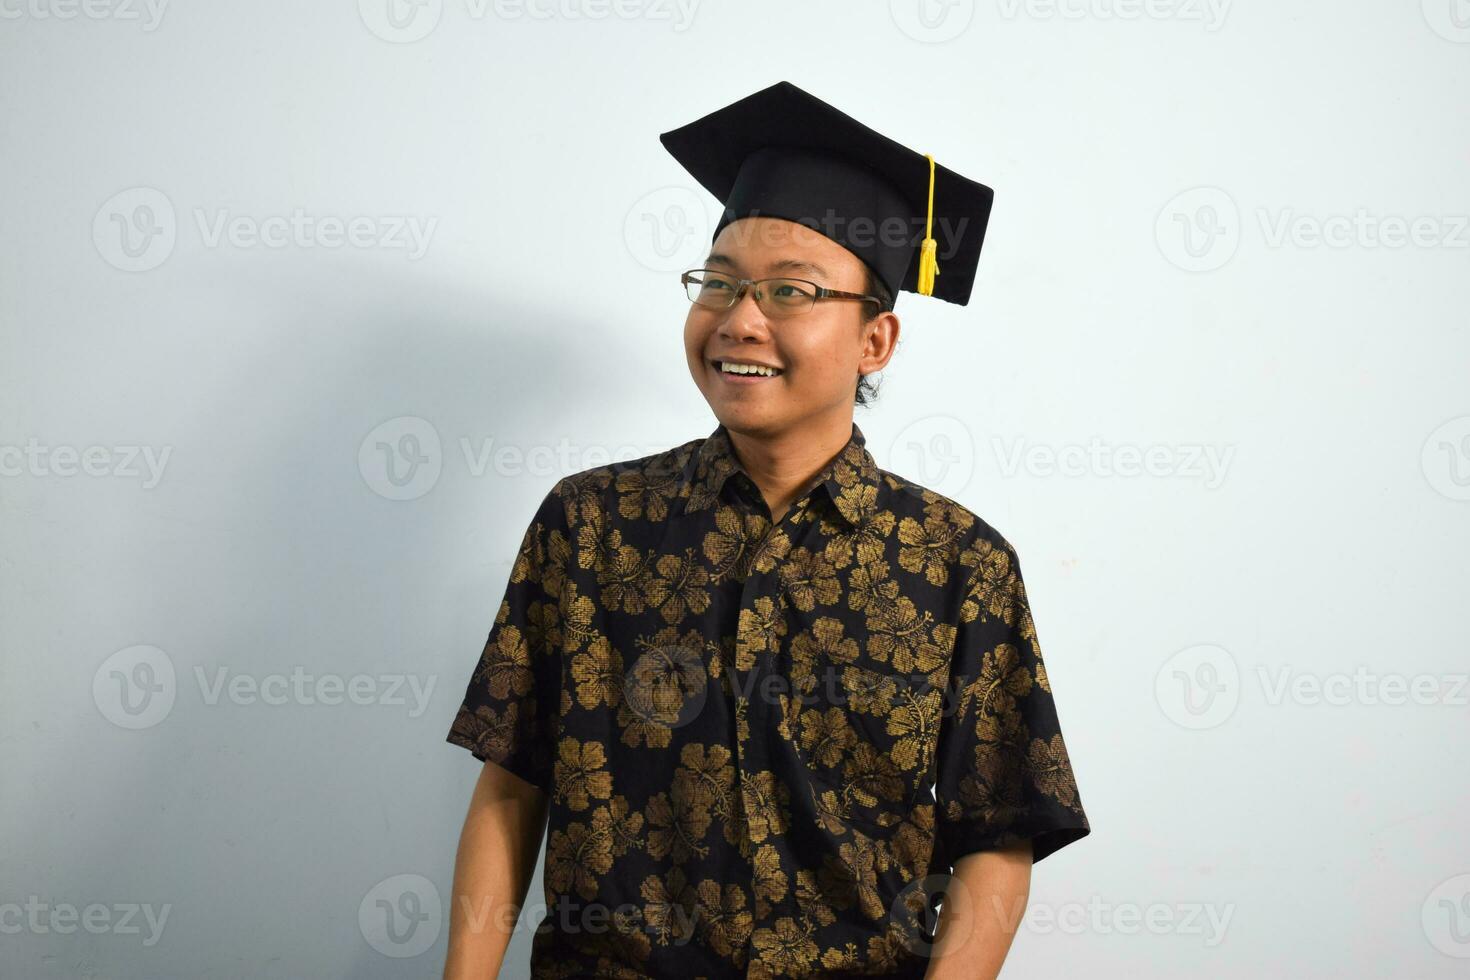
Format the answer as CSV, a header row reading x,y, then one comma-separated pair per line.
x,y
785,465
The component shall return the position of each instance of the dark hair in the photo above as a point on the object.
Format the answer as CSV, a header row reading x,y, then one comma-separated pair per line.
x,y
866,390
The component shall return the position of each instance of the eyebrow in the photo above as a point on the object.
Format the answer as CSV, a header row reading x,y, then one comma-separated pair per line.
x,y
780,265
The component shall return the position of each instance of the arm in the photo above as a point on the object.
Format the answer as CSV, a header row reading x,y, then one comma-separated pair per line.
x,y
982,907
492,871
508,720
1005,795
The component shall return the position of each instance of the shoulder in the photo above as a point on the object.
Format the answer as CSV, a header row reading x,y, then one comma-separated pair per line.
x,y
940,514
596,489
983,570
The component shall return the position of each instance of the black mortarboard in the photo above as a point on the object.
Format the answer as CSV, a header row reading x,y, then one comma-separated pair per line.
x,y
784,153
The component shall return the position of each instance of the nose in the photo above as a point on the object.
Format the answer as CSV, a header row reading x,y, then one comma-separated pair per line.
x,y
745,318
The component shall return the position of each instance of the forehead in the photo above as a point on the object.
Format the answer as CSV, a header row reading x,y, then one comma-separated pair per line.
x,y
776,245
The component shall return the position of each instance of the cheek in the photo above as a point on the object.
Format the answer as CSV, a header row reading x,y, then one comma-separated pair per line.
x,y
819,352
696,339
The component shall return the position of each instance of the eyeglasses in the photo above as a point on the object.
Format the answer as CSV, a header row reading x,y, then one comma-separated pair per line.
x,y
776,297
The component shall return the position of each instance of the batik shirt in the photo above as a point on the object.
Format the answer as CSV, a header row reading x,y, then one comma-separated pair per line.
x,y
764,743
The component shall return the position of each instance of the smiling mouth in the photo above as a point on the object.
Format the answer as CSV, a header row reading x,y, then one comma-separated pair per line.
x,y
745,372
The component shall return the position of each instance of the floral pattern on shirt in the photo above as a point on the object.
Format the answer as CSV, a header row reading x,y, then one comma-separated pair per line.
x,y
764,743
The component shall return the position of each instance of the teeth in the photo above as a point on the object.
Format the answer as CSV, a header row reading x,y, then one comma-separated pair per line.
x,y
729,368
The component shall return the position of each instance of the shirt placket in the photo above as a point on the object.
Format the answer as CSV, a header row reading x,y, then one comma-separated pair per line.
x,y
751,757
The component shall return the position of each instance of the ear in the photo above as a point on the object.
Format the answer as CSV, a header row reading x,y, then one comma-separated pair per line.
x,y
880,340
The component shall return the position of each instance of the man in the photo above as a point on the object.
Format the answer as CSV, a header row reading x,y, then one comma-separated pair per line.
x,y
777,703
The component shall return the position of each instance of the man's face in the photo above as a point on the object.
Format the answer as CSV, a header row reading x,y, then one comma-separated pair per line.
x,y
819,354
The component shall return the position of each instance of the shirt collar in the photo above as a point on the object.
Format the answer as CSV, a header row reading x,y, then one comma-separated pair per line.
x,y
715,461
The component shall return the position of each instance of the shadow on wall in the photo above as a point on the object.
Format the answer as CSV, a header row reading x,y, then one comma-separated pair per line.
x,y
281,572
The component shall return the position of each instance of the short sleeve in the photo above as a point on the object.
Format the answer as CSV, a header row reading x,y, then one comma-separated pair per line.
x,y
1002,770
513,701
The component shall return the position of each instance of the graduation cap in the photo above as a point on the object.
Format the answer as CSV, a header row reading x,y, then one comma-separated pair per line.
x,y
784,153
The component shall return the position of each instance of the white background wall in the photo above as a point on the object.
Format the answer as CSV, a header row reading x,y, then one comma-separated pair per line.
x,y
1197,254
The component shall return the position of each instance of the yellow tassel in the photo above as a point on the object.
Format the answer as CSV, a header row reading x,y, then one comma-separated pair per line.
x,y
928,260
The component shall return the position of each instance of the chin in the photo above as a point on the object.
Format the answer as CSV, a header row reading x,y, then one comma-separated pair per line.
x,y
751,419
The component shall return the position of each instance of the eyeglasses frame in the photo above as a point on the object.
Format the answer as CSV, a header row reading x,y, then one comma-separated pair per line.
x,y
741,285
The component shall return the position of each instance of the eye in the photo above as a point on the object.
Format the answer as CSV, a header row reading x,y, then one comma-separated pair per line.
x,y
715,282
791,291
